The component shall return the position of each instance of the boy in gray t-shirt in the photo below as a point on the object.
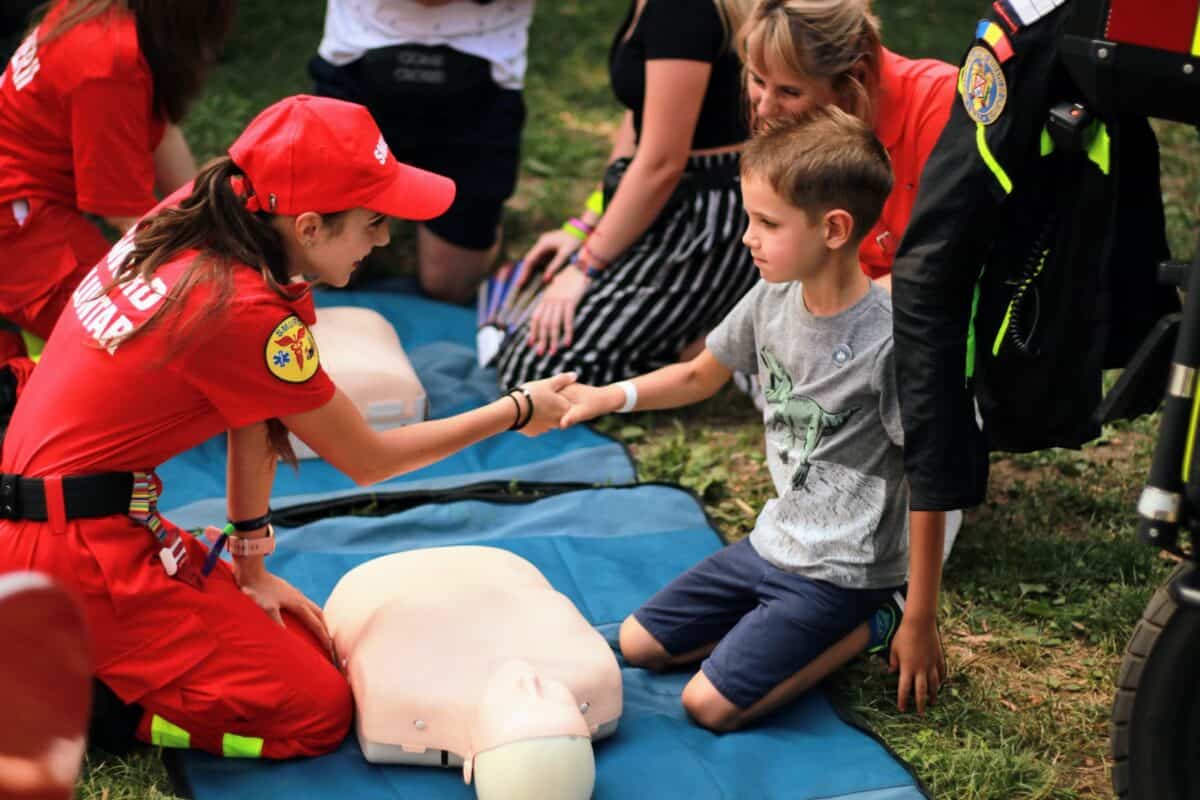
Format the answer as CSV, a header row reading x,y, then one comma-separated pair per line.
x,y
773,614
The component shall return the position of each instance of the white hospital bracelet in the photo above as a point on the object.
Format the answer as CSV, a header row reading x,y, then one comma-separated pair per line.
x,y
630,396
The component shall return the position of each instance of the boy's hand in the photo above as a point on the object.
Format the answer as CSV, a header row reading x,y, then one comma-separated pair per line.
x,y
917,653
589,402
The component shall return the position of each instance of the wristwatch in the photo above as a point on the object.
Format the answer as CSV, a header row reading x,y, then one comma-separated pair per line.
x,y
258,546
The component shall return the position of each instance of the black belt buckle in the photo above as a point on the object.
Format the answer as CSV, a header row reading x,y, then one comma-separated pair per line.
x,y
10,496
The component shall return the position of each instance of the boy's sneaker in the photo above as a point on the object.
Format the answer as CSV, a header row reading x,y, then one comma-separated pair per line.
x,y
884,624
747,383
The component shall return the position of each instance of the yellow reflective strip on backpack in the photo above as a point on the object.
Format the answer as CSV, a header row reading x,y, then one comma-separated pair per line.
x,y
1100,148
167,734
1003,330
1047,143
234,746
969,371
986,154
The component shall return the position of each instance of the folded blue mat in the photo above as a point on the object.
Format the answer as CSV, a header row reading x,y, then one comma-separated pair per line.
x,y
608,550
439,340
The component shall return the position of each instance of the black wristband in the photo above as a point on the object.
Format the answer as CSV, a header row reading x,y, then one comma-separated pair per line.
x,y
528,416
253,524
517,403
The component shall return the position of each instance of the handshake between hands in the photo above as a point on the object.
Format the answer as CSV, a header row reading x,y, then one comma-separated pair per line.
x,y
560,402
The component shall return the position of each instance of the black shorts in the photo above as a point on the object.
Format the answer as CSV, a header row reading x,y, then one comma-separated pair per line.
x,y
473,138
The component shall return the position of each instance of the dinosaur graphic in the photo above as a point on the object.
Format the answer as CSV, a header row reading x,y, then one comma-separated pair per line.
x,y
801,416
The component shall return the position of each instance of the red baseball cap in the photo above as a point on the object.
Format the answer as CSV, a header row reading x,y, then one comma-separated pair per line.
x,y
318,154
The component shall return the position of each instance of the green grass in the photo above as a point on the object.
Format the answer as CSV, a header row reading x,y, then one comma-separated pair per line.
x,y
1046,580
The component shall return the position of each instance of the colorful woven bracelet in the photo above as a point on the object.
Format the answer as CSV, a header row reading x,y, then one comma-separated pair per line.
x,y
577,228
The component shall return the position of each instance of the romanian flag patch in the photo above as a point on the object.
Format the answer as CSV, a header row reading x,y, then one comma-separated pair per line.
x,y
991,33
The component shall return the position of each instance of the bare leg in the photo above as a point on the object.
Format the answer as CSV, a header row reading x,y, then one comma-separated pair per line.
x,y
712,710
449,272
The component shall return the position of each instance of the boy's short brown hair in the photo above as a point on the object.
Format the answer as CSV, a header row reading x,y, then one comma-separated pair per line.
x,y
823,160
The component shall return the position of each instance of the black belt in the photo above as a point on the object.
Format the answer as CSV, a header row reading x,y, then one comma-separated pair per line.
x,y
99,495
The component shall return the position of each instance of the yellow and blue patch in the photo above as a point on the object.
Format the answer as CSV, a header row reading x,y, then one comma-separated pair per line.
x,y
982,85
291,351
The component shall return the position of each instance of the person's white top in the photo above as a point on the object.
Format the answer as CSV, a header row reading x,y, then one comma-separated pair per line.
x,y
497,31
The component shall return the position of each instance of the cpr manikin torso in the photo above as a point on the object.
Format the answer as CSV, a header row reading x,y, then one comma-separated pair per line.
x,y
363,356
467,655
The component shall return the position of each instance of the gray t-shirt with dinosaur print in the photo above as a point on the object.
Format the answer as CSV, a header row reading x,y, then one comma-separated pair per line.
x,y
833,434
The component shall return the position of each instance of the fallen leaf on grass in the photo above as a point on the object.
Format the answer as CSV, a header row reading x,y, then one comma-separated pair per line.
x,y
632,432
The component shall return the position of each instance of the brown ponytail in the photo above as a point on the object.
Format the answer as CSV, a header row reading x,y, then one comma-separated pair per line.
x,y
214,220
180,40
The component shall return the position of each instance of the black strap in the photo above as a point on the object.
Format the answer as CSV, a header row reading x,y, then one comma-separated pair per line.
x,y
253,524
100,495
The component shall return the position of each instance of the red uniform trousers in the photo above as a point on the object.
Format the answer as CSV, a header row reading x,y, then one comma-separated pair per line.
x,y
210,669
44,260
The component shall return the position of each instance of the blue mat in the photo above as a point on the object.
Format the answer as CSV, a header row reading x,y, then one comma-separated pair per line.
x,y
439,340
608,550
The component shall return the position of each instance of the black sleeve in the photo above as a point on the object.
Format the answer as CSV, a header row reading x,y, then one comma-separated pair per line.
x,y
685,29
958,213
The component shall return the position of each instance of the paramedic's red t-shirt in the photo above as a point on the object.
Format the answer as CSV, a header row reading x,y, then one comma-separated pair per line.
x,y
916,97
77,120
91,408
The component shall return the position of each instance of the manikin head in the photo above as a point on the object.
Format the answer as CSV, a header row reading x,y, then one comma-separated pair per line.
x,y
529,739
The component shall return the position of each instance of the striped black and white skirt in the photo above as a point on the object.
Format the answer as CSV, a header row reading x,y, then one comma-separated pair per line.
x,y
665,291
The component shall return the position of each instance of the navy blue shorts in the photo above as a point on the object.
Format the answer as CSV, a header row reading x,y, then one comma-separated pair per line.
x,y
769,623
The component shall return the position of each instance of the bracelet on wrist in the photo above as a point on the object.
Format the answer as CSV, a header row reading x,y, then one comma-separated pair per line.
x,y
587,262
240,547
578,228
590,272
595,203
251,524
592,258
517,404
631,396
228,538
521,422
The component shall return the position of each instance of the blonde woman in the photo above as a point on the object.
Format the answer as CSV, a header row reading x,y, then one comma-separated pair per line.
x,y
801,53
631,288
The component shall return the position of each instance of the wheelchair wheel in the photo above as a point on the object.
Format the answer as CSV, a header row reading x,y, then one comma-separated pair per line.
x,y
1156,716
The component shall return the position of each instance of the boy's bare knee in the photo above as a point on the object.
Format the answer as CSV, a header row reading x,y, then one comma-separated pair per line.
x,y
446,285
709,708
641,649
449,272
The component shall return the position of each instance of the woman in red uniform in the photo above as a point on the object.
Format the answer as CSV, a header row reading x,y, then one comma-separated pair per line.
x,y
197,323
800,53
89,110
